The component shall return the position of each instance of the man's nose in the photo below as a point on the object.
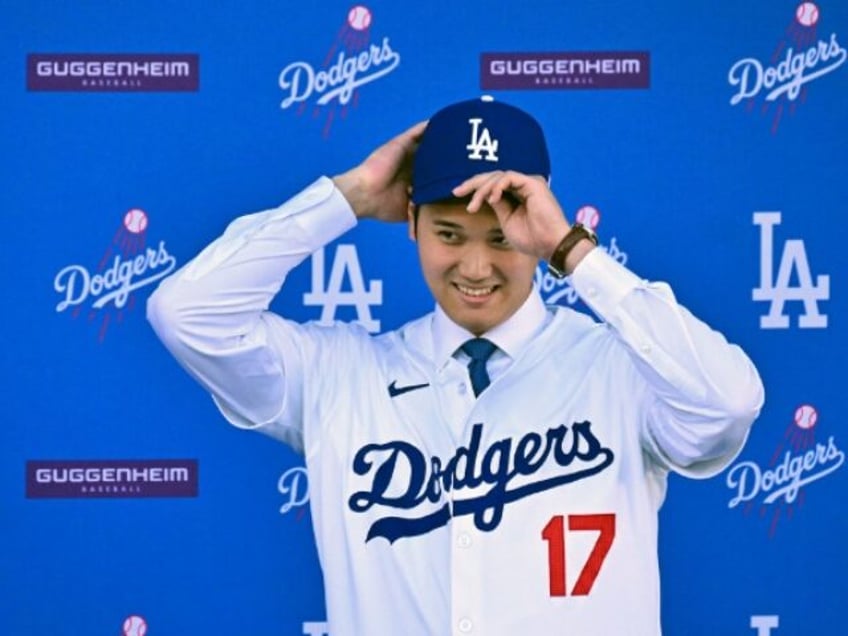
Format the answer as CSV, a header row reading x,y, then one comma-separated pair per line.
x,y
476,262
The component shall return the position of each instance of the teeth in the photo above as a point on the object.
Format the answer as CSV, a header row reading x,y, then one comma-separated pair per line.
x,y
475,291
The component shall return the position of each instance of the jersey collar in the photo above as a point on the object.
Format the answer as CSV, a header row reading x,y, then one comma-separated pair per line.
x,y
511,336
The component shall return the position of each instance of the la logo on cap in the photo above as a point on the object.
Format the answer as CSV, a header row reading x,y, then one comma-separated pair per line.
x,y
481,142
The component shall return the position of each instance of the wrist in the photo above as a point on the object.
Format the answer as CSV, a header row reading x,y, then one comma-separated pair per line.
x,y
348,183
571,249
577,254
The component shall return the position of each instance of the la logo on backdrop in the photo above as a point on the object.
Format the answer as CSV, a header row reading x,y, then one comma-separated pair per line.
x,y
800,57
779,289
107,292
352,61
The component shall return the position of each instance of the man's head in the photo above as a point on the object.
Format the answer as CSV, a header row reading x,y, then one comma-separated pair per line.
x,y
473,273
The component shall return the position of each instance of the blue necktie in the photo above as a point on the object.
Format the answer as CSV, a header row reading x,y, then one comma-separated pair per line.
x,y
479,349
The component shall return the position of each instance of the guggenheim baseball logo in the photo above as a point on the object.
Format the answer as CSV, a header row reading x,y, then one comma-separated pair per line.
x,y
798,461
119,72
568,70
352,61
102,479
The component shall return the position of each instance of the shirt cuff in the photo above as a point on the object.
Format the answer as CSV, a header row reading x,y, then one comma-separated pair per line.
x,y
602,282
330,214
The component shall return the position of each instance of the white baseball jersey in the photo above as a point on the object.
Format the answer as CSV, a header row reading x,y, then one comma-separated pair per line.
x,y
531,509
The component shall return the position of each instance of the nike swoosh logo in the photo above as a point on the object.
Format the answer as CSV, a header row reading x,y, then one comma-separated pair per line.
x,y
395,390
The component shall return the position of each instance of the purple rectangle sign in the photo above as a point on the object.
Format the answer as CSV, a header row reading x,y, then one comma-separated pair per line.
x,y
570,70
111,478
122,72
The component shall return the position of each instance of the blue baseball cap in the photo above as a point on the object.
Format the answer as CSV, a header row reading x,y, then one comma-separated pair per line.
x,y
474,136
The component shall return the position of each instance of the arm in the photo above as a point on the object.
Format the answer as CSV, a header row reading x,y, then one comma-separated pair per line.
x,y
707,392
212,314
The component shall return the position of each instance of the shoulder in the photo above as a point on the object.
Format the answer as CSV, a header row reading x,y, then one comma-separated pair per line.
x,y
575,332
313,337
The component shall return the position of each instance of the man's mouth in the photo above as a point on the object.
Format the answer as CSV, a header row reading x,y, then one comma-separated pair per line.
x,y
476,292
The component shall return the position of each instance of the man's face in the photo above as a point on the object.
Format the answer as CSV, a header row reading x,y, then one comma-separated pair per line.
x,y
473,273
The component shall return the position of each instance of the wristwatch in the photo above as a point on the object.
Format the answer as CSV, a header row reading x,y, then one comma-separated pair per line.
x,y
578,231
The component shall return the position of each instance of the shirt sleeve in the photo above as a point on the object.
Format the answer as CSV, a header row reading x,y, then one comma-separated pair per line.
x,y
212,314
706,391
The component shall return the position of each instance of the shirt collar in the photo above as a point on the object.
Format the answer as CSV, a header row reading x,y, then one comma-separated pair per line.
x,y
511,336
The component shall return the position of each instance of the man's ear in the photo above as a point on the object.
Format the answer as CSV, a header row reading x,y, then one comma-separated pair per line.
x,y
412,220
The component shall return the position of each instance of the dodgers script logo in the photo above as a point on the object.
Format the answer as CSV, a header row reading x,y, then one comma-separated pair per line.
x,y
558,291
351,62
403,478
777,291
796,61
330,298
294,486
127,265
780,485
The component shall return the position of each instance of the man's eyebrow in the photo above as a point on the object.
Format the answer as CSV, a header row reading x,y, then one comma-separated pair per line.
x,y
449,224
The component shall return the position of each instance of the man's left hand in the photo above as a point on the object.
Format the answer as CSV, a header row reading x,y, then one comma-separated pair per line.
x,y
530,216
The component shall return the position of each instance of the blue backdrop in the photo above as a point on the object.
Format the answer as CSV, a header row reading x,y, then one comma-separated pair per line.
x,y
707,139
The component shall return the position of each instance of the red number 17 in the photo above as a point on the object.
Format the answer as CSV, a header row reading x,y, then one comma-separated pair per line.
x,y
554,534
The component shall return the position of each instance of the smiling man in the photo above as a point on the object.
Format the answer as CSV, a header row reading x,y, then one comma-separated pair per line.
x,y
495,466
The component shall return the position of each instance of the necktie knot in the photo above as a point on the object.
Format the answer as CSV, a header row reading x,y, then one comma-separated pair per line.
x,y
479,350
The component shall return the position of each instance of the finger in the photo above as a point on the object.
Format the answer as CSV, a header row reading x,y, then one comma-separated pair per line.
x,y
472,183
503,208
498,187
483,191
409,140
412,135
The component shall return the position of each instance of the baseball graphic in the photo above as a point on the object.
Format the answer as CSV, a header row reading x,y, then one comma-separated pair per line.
x,y
807,14
589,216
806,416
135,626
359,17
135,221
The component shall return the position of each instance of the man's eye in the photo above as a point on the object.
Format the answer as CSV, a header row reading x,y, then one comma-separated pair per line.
x,y
500,241
448,236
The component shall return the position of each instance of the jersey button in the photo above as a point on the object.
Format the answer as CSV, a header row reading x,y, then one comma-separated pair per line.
x,y
464,540
461,388
465,625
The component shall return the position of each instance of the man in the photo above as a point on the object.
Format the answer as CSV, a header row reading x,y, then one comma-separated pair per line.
x,y
496,466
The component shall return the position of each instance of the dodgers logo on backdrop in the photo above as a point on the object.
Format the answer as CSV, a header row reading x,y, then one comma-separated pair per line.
x,y
127,265
352,61
558,291
799,459
294,486
777,291
800,58
135,626
330,298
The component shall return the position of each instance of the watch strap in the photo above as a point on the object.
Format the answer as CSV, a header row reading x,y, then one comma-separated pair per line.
x,y
578,231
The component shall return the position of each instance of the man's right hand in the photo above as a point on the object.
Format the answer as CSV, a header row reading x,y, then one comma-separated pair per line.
x,y
379,187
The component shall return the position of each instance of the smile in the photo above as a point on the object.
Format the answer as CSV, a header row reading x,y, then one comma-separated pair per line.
x,y
476,292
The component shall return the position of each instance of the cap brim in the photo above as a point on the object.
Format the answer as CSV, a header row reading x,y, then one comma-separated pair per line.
x,y
435,191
